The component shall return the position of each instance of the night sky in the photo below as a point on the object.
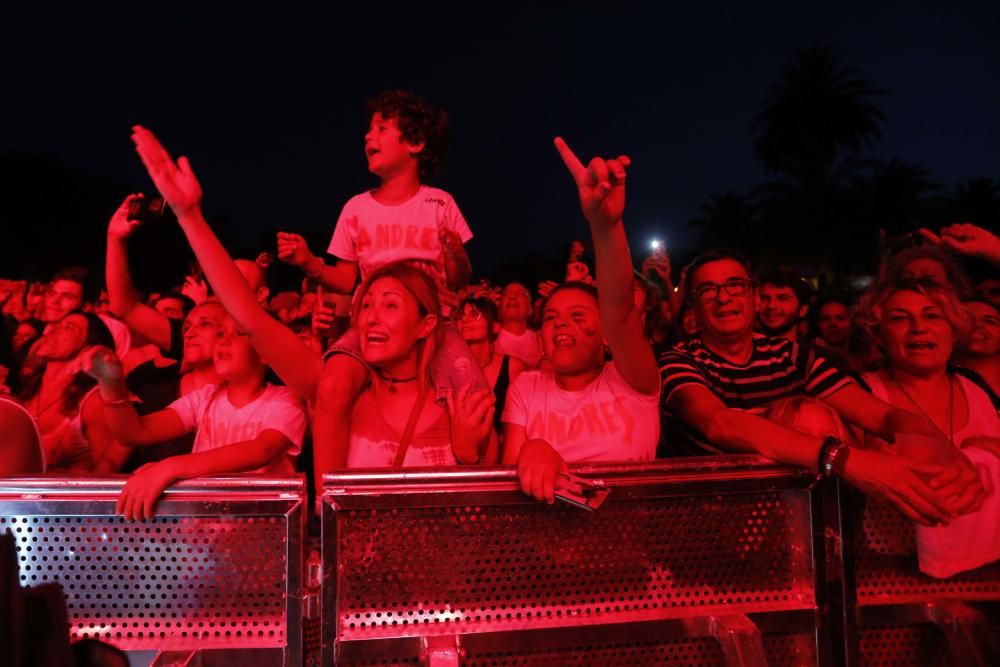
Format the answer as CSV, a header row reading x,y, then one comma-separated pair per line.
x,y
267,103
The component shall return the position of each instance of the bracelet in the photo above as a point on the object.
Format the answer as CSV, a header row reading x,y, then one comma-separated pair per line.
x,y
824,450
117,403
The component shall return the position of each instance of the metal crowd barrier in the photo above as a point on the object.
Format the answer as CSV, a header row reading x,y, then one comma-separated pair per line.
x,y
908,617
215,579
699,561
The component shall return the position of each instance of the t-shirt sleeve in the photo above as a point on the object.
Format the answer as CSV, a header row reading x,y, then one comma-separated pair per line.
x,y
455,221
515,410
343,245
288,417
191,406
678,370
823,377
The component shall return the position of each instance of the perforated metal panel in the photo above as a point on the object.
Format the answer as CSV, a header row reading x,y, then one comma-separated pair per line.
x,y
509,565
179,582
419,557
904,646
887,568
211,573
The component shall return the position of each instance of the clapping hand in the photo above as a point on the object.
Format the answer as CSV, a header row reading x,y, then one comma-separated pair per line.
x,y
176,182
601,185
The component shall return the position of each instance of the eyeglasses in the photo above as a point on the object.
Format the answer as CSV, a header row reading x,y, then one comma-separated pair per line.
x,y
708,292
471,314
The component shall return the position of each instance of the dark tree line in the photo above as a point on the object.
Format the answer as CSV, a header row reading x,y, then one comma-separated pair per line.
x,y
827,198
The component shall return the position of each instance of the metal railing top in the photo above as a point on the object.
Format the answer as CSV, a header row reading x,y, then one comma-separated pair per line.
x,y
707,468
60,485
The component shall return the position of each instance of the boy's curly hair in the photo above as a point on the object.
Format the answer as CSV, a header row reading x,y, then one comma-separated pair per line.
x,y
418,122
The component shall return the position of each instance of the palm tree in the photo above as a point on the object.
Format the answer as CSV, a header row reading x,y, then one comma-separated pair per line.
x,y
816,113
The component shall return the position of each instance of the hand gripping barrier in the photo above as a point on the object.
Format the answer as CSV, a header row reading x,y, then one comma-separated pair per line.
x,y
215,579
696,562
908,617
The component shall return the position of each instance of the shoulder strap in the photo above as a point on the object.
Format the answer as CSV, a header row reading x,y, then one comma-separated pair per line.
x,y
411,425
978,380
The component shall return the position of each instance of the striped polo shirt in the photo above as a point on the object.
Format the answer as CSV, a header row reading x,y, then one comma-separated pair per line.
x,y
777,368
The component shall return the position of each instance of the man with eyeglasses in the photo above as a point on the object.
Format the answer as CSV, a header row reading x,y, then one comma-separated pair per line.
x,y
717,385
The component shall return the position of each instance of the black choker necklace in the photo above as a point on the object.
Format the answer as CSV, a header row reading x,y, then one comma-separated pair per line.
x,y
394,381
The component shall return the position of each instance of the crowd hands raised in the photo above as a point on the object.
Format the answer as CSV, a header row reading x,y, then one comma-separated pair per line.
x,y
390,356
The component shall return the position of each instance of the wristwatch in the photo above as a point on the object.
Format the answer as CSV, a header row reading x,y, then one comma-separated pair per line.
x,y
832,457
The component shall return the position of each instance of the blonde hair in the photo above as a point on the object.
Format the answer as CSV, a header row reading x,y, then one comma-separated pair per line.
x,y
424,290
872,307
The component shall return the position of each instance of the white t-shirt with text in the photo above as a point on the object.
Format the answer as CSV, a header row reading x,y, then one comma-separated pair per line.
x,y
374,234
606,421
219,423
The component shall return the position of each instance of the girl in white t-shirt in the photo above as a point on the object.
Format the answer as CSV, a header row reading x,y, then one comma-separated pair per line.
x,y
243,424
586,408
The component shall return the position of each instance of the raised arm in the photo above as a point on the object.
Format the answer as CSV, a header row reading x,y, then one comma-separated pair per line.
x,y
457,267
601,186
340,277
297,365
123,299
123,422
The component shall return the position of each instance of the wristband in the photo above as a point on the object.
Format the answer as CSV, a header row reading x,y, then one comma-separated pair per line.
x,y
824,452
117,403
833,457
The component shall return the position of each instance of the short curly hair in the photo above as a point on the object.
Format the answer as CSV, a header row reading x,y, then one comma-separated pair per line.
x,y
418,122
872,306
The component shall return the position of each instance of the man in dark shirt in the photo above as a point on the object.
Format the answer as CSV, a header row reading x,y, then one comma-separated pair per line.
x,y
716,385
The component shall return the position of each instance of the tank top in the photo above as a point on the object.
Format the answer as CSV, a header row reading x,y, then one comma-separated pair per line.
x,y
374,442
66,447
970,540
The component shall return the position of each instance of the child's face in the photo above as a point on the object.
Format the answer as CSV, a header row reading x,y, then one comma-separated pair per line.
x,y
235,358
571,332
386,149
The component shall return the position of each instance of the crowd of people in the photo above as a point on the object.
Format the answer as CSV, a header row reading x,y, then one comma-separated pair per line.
x,y
390,356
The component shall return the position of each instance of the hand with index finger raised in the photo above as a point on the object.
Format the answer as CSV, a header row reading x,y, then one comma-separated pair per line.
x,y
601,185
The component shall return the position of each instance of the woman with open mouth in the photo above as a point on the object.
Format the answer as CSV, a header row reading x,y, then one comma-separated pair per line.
x,y
917,325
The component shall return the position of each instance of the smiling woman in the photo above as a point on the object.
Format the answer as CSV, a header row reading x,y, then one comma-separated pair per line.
x,y
394,422
62,400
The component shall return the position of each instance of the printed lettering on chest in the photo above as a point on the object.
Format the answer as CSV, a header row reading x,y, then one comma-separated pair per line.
x,y
384,237
591,420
